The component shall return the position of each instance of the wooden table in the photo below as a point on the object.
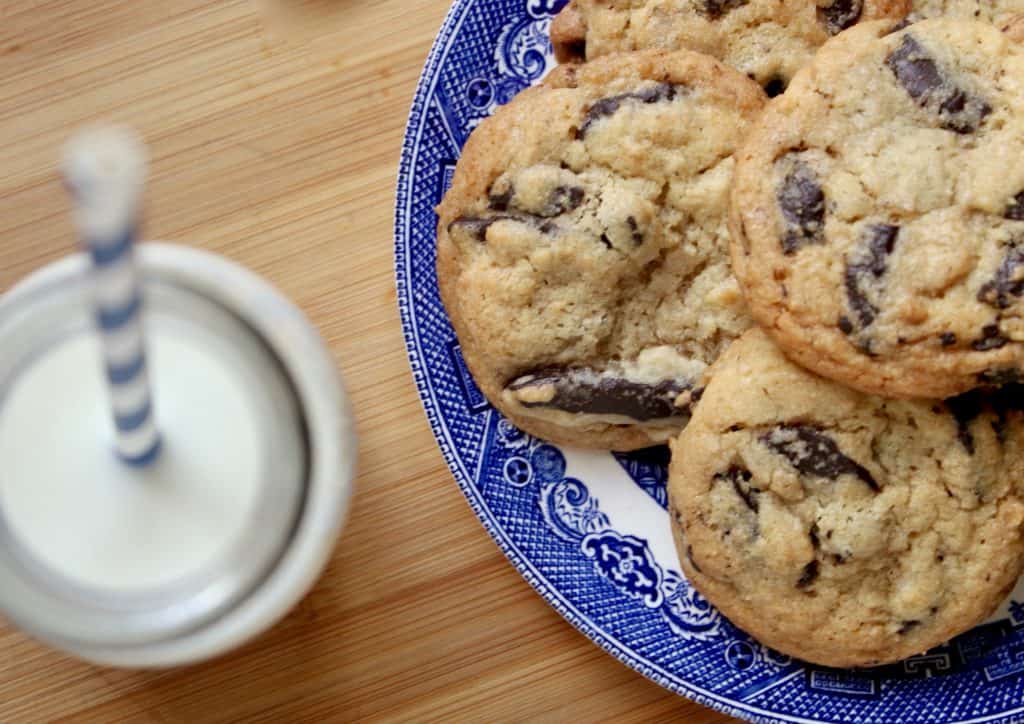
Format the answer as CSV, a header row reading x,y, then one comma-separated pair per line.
x,y
275,129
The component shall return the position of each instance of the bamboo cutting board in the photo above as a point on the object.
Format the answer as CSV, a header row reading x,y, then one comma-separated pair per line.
x,y
274,129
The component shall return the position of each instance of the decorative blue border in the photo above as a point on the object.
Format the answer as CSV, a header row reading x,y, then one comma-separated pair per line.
x,y
483,95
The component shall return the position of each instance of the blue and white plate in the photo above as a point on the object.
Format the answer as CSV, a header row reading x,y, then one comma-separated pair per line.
x,y
589,530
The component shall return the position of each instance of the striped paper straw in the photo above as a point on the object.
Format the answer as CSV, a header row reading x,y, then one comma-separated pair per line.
x,y
105,168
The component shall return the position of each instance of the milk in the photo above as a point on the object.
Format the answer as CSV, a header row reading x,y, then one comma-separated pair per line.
x,y
80,511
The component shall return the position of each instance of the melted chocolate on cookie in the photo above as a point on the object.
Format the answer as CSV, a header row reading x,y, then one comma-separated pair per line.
x,y
803,208
586,391
919,74
812,452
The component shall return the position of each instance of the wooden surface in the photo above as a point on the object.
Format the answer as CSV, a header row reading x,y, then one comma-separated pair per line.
x,y
275,130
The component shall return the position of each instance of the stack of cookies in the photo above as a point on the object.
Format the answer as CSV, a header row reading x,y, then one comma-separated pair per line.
x,y
817,300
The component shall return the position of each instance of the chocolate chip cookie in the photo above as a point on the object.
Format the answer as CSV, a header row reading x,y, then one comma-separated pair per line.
x,y
842,528
583,249
878,216
769,40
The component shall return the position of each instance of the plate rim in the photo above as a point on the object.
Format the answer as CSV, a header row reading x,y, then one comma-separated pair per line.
x,y
425,85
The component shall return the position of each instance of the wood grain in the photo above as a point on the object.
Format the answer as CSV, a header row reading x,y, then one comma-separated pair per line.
x,y
275,128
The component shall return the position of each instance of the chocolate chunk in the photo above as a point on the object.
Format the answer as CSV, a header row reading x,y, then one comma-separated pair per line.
x,y
575,49
1015,209
898,27
658,93
908,626
696,395
880,239
689,557
845,325
914,69
812,452
740,479
809,574
775,87
919,75
1008,283
840,15
991,338
634,230
998,378
477,226
1009,398
588,391
749,496
866,347
609,106
563,199
813,534
803,207
606,241
965,409
969,406
715,9
867,267
948,339
500,201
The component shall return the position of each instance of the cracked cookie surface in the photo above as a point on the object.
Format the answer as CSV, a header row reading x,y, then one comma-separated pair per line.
x,y
843,528
997,12
769,40
583,246
878,222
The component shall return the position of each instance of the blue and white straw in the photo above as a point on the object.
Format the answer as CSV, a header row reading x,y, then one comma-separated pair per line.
x,y
105,169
